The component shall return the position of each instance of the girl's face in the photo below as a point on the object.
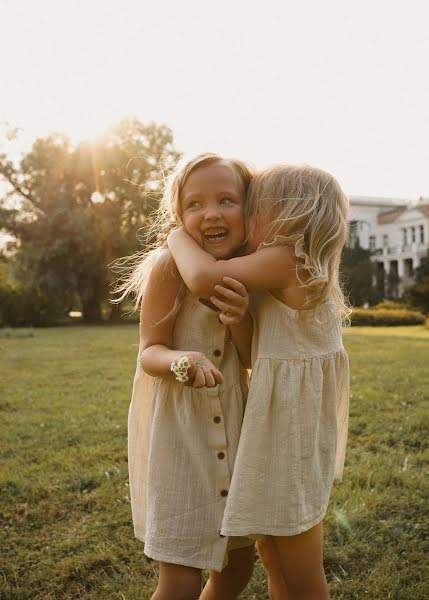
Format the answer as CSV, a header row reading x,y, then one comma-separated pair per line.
x,y
212,209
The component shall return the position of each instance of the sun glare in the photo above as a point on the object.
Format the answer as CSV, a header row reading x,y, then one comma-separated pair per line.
x,y
86,128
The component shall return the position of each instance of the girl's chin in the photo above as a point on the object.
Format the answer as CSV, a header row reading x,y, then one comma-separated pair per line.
x,y
223,254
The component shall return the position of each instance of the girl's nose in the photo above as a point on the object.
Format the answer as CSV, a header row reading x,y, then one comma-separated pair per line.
x,y
212,211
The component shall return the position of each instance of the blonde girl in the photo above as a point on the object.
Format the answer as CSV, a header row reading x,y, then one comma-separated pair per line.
x,y
189,392
293,437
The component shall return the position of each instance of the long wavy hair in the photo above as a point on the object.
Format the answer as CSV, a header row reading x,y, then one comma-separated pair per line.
x,y
134,270
308,206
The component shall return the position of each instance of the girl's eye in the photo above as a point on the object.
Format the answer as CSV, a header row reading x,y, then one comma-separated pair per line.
x,y
193,204
226,200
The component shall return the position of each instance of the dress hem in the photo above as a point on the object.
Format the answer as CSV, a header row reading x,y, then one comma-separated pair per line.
x,y
190,563
257,532
183,562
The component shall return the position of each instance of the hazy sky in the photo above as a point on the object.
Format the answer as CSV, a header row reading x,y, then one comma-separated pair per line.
x,y
342,84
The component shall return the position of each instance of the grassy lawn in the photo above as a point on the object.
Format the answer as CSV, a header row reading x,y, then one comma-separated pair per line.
x,y
64,506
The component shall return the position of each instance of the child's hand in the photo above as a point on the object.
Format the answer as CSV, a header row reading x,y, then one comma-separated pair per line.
x,y
233,303
203,373
207,376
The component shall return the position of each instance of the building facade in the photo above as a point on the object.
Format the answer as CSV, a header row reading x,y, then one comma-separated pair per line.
x,y
397,231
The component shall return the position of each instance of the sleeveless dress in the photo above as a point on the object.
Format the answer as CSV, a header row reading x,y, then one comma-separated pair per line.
x,y
294,432
182,444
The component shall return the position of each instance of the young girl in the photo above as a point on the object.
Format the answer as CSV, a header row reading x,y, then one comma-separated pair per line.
x,y
189,393
293,437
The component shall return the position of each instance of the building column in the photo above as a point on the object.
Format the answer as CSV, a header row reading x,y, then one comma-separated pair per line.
x,y
401,271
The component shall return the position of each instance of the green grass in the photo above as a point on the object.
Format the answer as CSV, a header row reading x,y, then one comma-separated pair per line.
x,y
64,504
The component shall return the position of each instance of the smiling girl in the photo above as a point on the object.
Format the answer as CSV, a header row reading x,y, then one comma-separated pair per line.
x,y
184,430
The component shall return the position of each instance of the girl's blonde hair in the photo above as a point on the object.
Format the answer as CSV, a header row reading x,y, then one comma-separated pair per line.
x,y
134,269
308,206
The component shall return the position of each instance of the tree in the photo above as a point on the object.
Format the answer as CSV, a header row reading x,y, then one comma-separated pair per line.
x,y
358,275
73,210
418,295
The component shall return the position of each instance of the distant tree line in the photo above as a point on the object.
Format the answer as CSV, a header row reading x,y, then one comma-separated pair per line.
x,y
73,209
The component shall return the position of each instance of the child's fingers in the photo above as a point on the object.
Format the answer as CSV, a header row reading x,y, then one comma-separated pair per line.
x,y
224,306
235,285
208,377
210,380
199,379
218,377
228,319
229,294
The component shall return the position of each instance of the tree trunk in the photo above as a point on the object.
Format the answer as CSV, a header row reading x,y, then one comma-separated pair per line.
x,y
115,312
91,310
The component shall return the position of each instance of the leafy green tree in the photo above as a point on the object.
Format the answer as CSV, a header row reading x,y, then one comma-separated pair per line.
x,y
359,276
73,210
418,295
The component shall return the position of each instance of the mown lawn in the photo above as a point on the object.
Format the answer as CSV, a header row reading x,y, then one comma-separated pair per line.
x,y
65,516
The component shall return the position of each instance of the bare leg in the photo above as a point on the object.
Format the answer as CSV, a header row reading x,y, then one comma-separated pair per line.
x,y
270,559
228,584
301,560
177,582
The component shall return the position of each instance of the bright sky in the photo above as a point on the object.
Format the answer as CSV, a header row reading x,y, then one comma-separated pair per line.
x,y
340,84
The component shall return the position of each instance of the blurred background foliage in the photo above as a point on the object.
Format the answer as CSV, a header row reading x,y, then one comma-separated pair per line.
x,y
70,211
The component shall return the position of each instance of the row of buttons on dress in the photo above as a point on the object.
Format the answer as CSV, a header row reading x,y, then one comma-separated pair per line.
x,y
220,455
218,419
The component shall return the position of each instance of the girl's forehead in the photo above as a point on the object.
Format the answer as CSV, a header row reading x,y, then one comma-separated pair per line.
x,y
213,176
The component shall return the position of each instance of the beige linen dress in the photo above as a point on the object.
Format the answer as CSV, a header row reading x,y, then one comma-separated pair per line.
x,y
182,444
294,431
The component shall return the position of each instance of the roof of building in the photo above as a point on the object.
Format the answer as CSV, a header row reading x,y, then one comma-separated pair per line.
x,y
389,216
377,201
424,208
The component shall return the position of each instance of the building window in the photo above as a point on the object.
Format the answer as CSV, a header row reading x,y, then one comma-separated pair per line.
x,y
404,237
422,234
353,234
372,242
385,240
413,234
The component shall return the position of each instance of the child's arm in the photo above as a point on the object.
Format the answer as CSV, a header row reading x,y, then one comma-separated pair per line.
x,y
233,300
267,269
242,336
156,330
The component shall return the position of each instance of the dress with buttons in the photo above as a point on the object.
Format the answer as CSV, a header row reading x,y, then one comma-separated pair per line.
x,y
182,444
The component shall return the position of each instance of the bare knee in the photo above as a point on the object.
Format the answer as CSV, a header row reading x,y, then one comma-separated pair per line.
x,y
268,555
233,579
177,582
301,560
176,594
311,588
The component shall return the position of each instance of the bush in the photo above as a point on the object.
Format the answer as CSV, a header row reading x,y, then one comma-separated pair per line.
x,y
418,295
386,317
391,305
20,307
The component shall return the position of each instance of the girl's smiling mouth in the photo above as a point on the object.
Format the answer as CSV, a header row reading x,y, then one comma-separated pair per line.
x,y
213,234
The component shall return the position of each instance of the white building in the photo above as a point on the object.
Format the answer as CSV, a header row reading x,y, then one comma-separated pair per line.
x,y
397,230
